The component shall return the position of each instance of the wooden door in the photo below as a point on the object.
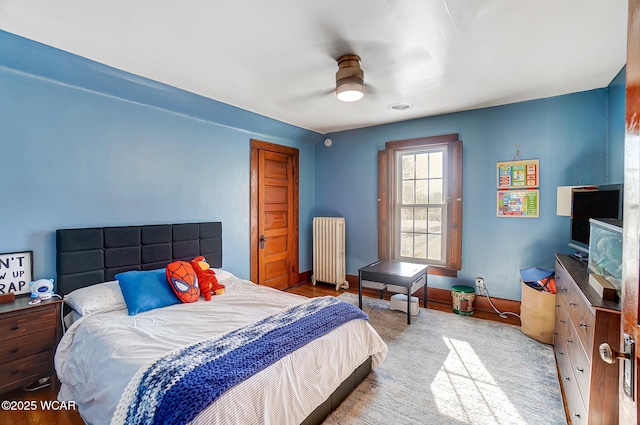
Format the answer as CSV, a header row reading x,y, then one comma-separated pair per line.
x,y
274,211
631,237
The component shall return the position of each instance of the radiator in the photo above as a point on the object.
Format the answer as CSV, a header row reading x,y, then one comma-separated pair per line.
x,y
329,251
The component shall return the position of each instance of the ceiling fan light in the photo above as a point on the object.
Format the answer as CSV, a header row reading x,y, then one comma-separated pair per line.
x,y
349,79
350,92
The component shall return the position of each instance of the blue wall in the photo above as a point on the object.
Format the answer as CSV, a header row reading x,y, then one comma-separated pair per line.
x,y
568,134
616,121
83,145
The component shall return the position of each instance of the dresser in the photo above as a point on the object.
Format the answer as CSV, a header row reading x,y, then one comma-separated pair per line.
x,y
29,335
584,321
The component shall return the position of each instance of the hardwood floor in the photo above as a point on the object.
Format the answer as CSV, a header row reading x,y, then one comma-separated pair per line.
x,y
66,415
36,408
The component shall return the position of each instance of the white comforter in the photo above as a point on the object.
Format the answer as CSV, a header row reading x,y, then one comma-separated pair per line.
x,y
99,354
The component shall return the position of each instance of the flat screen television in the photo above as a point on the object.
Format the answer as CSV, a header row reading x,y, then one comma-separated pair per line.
x,y
602,202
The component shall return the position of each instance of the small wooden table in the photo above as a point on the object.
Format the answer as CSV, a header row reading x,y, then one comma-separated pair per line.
x,y
394,273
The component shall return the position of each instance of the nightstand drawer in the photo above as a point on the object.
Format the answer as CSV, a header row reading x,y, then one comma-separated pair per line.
x,y
23,323
24,370
28,345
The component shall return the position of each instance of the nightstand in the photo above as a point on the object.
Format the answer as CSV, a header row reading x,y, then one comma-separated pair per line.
x,y
29,335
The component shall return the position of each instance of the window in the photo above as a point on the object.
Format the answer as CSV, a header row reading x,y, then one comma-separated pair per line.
x,y
420,205
420,211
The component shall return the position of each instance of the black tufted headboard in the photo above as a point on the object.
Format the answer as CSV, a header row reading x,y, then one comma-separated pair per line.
x,y
93,255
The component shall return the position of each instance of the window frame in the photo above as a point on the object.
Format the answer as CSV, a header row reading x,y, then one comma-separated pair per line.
x,y
387,176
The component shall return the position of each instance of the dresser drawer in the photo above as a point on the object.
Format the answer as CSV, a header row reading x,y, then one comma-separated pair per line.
x,y
562,357
583,318
24,370
23,323
24,346
561,330
575,405
580,365
577,409
563,283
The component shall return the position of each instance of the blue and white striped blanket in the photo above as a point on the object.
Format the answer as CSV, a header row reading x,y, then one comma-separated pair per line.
x,y
178,386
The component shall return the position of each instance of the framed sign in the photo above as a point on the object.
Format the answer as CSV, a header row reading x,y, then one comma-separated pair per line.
x,y
16,272
522,174
518,203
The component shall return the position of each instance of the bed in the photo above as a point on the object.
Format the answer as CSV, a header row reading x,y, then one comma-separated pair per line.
x,y
106,358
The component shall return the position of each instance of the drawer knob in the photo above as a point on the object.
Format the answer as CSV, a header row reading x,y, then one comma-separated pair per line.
x,y
584,325
577,415
13,350
566,378
561,353
570,341
15,327
580,369
563,321
572,304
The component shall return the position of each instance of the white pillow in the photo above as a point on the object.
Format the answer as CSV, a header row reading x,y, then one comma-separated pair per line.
x,y
222,274
98,298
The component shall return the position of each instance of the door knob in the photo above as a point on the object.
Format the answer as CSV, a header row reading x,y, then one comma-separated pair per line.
x,y
609,355
262,240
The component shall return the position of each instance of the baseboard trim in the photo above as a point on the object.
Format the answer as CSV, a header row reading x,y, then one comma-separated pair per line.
x,y
304,277
443,296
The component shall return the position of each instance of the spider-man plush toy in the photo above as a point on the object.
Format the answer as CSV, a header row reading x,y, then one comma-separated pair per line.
x,y
183,281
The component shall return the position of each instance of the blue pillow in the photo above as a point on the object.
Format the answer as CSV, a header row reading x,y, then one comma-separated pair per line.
x,y
145,290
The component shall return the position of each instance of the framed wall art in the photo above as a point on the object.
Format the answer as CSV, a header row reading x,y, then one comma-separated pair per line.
x,y
518,203
16,272
518,174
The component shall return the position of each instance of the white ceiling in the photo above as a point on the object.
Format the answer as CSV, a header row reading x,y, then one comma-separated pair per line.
x,y
277,58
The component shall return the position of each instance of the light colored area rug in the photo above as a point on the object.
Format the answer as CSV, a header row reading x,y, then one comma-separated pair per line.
x,y
450,369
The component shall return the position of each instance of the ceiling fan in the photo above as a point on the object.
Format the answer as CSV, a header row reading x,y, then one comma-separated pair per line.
x,y
349,83
395,71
